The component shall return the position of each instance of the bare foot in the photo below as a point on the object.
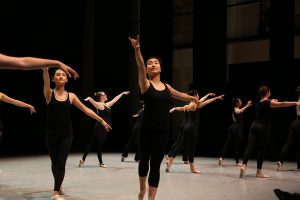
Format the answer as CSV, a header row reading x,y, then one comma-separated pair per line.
x,y
262,176
141,194
242,171
168,166
220,161
279,165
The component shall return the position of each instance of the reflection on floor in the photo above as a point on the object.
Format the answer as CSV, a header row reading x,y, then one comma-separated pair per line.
x,y
30,178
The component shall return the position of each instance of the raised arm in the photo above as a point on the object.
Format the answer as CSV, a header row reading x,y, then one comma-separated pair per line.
x,y
29,63
47,90
143,81
208,101
114,100
206,96
240,110
7,99
96,104
75,101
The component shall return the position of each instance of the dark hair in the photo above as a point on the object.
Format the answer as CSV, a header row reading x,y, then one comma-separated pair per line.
x,y
263,91
192,92
97,95
235,101
155,57
298,91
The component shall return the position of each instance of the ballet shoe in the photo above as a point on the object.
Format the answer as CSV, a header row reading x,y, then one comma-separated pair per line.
x,y
122,159
103,165
220,161
242,172
238,164
81,162
56,196
262,176
61,191
279,165
195,171
168,166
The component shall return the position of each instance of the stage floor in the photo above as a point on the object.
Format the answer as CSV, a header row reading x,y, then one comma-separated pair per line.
x,y
30,178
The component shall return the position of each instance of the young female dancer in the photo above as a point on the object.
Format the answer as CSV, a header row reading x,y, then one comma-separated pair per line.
x,y
99,132
260,129
154,133
59,131
235,132
190,129
293,138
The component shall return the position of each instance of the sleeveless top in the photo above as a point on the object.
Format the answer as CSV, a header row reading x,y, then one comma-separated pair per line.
x,y
58,114
105,114
263,113
156,111
237,117
193,117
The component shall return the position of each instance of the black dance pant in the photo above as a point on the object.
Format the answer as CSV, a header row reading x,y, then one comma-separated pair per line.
x,y
234,138
98,138
58,148
292,140
152,147
258,137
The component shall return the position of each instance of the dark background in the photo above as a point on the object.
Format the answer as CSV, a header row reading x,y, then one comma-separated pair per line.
x,y
92,37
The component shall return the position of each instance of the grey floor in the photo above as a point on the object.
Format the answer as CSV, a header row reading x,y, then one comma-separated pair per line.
x,y
30,178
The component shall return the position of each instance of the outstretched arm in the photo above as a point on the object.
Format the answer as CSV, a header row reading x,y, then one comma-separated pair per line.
x,y
114,100
96,104
143,81
208,101
7,99
206,96
181,95
240,110
74,99
29,63
192,106
276,104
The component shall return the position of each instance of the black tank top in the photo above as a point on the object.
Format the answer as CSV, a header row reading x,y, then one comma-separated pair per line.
x,y
193,117
105,114
263,112
58,113
156,111
237,117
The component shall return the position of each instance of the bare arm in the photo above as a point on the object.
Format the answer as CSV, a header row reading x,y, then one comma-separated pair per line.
x,y
30,63
240,110
208,101
96,104
143,81
75,101
7,99
47,90
181,95
192,106
114,100
276,104
206,96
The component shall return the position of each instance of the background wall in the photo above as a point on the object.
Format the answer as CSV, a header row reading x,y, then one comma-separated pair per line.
x,y
250,45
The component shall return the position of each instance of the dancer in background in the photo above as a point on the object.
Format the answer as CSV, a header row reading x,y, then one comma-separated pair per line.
x,y
99,132
134,134
293,138
235,132
260,129
59,130
7,99
190,129
154,135
29,63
